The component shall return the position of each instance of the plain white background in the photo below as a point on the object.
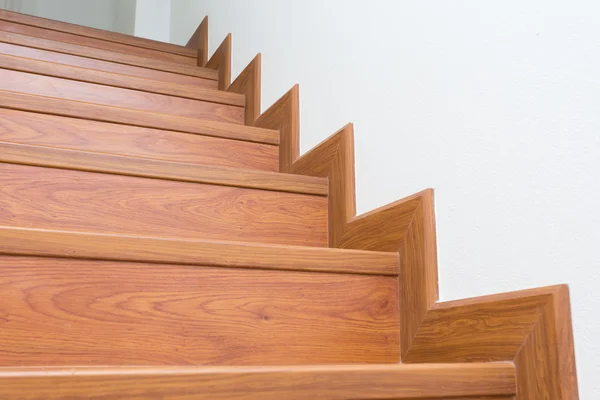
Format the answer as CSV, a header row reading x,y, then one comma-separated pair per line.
x,y
496,105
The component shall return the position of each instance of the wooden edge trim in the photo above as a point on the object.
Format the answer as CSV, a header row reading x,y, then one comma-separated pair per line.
x,y
248,83
221,61
14,153
199,41
532,328
48,243
105,55
125,116
63,71
95,33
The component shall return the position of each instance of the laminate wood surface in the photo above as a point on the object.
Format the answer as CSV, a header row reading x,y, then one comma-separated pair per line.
x,y
117,80
111,96
335,382
98,54
38,197
248,83
199,41
93,43
125,116
47,243
16,153
221,61
95,33
78,134
85,312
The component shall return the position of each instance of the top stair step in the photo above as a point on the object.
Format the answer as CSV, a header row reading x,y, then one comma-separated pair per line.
x,y
75,34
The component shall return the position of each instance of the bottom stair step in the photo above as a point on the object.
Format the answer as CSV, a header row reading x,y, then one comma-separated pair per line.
x,y
335,382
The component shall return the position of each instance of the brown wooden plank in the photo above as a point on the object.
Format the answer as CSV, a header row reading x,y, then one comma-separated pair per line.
x,y
248,83
335,382
199,41
98,54
93,43
78,134
111,96
49,198
99,65
14,153
99,112
46,243
221,61
85,312
95,33
117,80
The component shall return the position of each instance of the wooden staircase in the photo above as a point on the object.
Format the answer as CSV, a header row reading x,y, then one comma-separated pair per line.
x,y
161,238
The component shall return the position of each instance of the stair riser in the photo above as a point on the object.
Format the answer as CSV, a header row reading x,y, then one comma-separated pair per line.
x,y
112,96
83,312
77,134
99,65
50,198
94,43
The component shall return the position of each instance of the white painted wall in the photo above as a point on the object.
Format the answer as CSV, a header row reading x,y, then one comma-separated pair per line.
x,y
494,104
153,19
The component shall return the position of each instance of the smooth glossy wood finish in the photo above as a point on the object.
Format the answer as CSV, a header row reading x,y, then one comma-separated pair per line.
x,y
49,198
84,51
95,33
221,61
110,79
248,83
111,96
106,66
85,312
14,153
93,43
199,41
335,382
530,327
99,112
46,243
78,134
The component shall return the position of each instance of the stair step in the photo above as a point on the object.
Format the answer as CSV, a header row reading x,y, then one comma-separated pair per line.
x,y
100,112
171,199
90,52
96,33
334,382
106,66
86,135
111,79
93,43
112,96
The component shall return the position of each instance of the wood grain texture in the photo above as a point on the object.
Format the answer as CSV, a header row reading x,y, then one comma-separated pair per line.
x,y
284,116
248,83
335,382
78,134
93,43
85,312
95,33
199,41
45,243
16,153
99,112
122,81
104,203
98,54
221,61
111,96
530,327
106,66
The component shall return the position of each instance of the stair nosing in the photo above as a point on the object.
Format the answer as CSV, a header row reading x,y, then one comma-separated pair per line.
x,y
33,242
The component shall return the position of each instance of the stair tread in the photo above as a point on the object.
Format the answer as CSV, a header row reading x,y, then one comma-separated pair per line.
x,y
123,81
100,54
127,116
216,253
96,33
342,382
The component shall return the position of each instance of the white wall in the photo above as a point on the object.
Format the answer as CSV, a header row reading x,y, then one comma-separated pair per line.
x,y
494,104
153,19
